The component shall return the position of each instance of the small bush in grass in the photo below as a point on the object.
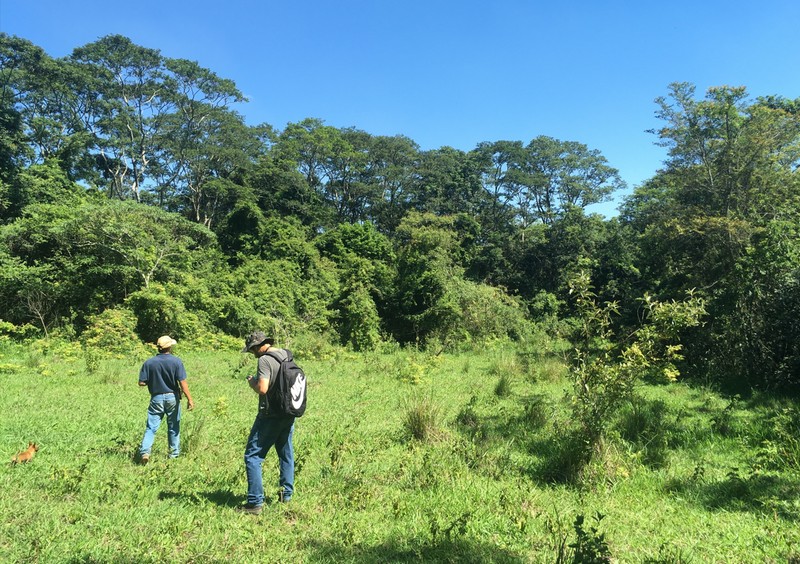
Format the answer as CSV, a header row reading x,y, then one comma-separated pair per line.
x,y
780,448
467,416
193,435
726,422
503,387
535,411
590,546
549,370
421,418
565,456
507,367
644,424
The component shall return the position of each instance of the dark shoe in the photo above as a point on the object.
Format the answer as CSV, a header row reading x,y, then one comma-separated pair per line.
x,y
249,509
282,497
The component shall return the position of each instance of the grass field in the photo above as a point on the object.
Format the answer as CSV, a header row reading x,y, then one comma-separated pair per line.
x,y
401,457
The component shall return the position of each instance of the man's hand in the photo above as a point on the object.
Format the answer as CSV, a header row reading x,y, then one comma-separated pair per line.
x,y
189,404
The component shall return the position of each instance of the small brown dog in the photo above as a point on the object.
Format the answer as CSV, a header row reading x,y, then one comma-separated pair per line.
x,y
25,455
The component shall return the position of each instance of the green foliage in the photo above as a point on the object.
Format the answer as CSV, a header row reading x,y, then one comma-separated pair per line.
x,y
16,333
46,184
590,546
605,376
435,302
363,258
112,332
780,448
71,262
647,426
160,312
421,419
719,218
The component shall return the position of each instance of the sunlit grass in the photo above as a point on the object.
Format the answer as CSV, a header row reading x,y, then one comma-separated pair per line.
x,y
672,481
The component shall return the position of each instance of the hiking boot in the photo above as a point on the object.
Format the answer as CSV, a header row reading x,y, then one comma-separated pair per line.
x,y
144,459
249,509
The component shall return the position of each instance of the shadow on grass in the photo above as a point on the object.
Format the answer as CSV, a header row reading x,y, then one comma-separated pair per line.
x,y
457,550
223,498
756,493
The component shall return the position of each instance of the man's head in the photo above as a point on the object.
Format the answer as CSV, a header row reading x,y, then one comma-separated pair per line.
x,y
255,341
165,343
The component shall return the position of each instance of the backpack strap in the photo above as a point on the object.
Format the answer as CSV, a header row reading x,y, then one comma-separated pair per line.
x,y
276,356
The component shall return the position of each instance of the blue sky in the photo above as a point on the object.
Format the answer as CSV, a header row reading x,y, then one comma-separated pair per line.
x,y
446,72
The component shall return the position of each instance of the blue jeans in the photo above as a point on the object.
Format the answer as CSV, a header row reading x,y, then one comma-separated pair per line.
x,y
163,405
266,432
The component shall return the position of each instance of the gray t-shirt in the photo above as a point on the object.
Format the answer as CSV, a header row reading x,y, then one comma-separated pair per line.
x,y
268,368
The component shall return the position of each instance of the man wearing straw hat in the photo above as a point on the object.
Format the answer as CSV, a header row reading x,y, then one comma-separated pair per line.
x,y
165,378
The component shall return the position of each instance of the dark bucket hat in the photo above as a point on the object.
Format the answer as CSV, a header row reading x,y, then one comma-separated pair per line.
x,y
256,338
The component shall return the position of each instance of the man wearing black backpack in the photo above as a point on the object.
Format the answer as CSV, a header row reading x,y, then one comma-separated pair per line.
x,y
271,427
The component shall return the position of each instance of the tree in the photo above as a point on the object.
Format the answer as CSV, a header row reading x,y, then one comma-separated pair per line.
x,y
448,182
559,175
206,148
89,257
125,103
392,168
730,179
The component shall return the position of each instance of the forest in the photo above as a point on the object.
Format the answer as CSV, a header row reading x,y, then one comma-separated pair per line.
x,y
135,201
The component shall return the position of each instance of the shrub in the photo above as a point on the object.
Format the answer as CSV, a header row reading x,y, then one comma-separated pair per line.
x,y
159,312
644,424
535,411
113,330
421,417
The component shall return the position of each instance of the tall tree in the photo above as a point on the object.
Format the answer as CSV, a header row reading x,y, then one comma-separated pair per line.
x,y
730,181
392,168
559,175
126,102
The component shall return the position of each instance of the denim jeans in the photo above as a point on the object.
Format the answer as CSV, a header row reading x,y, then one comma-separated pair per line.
x,y
163,405
266,432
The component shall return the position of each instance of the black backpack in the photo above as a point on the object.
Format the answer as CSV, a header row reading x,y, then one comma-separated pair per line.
x,y
287,393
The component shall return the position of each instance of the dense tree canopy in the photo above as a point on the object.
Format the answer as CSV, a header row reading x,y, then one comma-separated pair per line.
x,y
131,192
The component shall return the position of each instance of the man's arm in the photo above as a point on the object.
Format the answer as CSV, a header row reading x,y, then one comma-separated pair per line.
x,y
260,382
185,389
259,385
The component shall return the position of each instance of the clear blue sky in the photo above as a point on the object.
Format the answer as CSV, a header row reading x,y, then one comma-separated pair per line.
x,y
447,72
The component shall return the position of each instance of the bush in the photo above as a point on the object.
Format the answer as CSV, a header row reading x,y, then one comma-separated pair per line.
x,y
17,332
112,331
421,419
644,424
159,312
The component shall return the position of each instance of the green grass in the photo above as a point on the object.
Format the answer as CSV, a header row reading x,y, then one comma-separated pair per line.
x,y
683,475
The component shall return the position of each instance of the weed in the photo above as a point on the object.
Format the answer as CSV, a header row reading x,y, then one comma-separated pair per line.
x,y
535,413
421,417
549,370
590,546
192,435
467,418
724,423
780,449
92,359
503,387
644,424
564,458
221,407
